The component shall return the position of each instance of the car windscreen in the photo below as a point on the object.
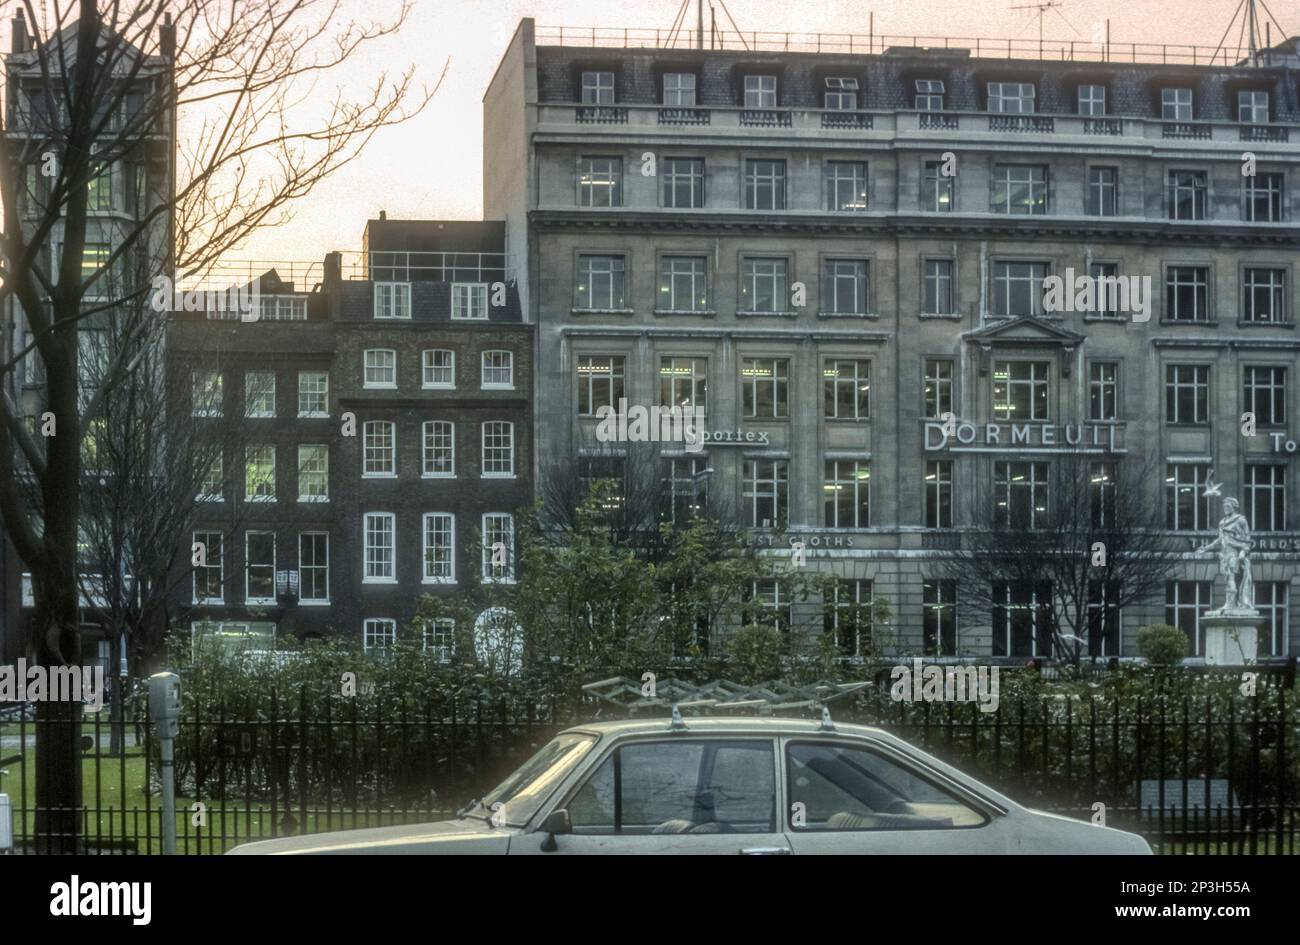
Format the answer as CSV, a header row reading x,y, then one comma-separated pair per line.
x,y
516,799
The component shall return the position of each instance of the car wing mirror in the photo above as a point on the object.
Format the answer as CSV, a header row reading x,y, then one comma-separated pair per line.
x,y
557,822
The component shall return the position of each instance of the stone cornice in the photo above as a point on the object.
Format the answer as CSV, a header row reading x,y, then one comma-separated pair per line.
x,y
752,334
928,226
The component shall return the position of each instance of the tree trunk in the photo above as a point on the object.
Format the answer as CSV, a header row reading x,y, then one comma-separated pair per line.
x,y
58,725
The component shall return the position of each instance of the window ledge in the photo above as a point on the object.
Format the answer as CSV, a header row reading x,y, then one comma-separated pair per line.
x,y
699,312
497,476
437,475
443,581
209,498
259,498
1112,319
1200,323
498,580
259,416
748,314
1289,326
208,603
857,315
313,498
260,601
379,475
602,311
314,415
437,387
496,387
375,580
313,603
365,386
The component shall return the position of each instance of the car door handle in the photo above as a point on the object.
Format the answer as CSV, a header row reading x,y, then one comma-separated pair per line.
x,y
765,851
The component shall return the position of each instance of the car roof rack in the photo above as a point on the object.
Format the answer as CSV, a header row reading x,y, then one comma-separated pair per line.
x,y
720,697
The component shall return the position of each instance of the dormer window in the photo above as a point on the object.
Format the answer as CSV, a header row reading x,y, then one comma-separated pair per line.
x,y
1252,107
1176,104
598,88
1011,98
841,93
929,95
760,91
679,89
1092,100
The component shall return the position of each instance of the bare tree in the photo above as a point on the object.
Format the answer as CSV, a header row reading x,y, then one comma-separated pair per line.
x,y
1062,554
148,469
103,89
647,492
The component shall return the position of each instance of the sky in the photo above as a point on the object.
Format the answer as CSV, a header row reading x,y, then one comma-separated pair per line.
x,y
431,167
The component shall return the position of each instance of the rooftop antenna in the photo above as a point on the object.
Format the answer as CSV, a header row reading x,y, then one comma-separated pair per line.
x,y
1249,34
1041,8
679,29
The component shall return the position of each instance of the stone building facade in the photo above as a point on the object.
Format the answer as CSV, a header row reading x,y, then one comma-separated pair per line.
x,y
834,253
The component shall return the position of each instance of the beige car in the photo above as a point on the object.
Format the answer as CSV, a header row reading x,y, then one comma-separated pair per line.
x,y
754,786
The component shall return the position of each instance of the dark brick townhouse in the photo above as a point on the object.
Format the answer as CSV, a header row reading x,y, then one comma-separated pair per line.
x,y
382,436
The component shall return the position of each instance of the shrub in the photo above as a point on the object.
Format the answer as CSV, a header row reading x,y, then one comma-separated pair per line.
x,y
755,654
1162,644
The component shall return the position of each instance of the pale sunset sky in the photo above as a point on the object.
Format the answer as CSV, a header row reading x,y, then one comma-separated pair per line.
x,y
431,167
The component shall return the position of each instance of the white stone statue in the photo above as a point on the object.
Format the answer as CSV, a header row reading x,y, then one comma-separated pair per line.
x,y
1234,544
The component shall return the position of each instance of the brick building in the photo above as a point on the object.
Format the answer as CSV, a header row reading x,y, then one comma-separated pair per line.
x,y
382,424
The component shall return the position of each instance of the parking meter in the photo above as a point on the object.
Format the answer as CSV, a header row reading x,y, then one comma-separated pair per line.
x,y
165,703
165,710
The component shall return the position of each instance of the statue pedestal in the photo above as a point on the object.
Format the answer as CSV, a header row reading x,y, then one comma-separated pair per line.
x,y
1231,639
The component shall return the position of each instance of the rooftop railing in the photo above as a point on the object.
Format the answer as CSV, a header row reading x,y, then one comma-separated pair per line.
x,y
301,277
393,266
878,44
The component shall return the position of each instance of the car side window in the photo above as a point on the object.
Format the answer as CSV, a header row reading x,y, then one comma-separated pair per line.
x,y
679,786
838,787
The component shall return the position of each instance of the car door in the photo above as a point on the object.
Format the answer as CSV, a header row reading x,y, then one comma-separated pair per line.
x,y
859,797
676,795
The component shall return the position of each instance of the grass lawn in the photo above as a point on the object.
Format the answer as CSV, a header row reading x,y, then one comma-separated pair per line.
x,y
226,824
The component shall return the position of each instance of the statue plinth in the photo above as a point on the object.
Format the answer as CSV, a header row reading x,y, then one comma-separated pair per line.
x,y
1231,639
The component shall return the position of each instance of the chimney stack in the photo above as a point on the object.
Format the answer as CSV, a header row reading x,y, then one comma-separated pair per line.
x,y
383,214
167,37
20,33
333,269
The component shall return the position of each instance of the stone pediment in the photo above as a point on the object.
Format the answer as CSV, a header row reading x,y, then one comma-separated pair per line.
x,y
1025,332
